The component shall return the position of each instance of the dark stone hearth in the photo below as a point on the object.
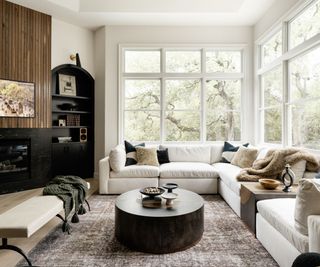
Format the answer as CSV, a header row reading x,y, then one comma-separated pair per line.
x,y
40,159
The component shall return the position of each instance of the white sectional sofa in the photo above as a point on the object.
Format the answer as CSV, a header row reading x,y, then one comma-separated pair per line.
x,y
276,231
193,167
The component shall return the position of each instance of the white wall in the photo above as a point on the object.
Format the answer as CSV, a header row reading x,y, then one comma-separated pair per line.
x,y
274,13
67,39
100,95
116,35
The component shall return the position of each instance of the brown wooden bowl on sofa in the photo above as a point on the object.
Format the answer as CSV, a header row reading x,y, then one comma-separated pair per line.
x,y
269,183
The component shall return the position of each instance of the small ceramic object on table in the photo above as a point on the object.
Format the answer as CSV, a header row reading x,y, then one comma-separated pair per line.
x,y
269,183
170,186
169,197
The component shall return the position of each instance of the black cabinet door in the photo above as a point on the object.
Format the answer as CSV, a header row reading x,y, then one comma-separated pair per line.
x,y
72,159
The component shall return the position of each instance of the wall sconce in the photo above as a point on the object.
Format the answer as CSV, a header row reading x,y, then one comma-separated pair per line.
x,y
76,58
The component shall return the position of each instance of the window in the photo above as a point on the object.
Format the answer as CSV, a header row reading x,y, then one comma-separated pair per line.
x,y
289,81
271,84
305,25
171,94
272,49
304,101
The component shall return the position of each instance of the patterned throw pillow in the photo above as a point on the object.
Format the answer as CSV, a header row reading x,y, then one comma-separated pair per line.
x,y
229,151
131,153
163,156
147,156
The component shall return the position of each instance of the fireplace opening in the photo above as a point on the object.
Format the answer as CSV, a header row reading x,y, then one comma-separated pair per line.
x,y
14,160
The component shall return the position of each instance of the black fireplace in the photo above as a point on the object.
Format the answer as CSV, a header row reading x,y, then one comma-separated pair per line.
x,y
25,159
14,159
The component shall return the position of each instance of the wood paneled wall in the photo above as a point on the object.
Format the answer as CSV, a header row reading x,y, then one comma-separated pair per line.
x,y
25,55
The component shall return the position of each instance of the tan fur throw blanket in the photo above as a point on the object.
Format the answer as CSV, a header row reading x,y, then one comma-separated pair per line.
x,y
274,163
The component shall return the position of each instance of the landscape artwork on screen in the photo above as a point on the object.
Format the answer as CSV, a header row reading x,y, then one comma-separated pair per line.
x,y
16,99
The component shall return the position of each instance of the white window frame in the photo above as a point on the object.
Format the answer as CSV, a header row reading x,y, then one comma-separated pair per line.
x,y
287,55
203,76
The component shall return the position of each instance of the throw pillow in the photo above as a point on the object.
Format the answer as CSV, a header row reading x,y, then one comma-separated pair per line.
x,y
244,157
147,156
163,156
307,203
298,169
131,156
229,151
117,158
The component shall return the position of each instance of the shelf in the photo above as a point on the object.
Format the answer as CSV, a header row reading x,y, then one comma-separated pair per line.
x,y
69,127
71,111
71,97
70,143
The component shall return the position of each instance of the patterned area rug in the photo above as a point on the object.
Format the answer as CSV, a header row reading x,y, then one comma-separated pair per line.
x,y
225,242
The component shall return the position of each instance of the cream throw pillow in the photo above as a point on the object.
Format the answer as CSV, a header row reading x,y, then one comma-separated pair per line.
x,y
244,157
298,169
307,203
117,158
147,156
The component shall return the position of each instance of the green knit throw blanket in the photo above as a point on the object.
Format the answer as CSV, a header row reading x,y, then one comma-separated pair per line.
x,y
72,190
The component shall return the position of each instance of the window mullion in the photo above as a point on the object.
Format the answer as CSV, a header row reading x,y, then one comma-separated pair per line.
x,y
162,83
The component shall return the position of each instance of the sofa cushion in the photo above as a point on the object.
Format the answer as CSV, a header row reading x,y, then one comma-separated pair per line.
x,y
244,157
228,174
198,153
163,156
307,203
136,171
280,214
147,156
229,151
187,170
131,153
117,158
216,153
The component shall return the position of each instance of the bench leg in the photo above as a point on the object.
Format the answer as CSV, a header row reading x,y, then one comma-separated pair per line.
x,y
14,248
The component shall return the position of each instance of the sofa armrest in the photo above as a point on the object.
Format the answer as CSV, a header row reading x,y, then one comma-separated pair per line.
x,y
104,175
314,233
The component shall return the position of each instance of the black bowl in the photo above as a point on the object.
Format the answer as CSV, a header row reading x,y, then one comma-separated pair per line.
x,y
152,191
170,186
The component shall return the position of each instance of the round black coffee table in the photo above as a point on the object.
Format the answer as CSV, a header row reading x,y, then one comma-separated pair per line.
x,y
160,230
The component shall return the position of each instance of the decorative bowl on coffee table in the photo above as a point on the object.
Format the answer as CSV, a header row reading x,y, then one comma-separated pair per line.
x,y
152,191
170,186
169,197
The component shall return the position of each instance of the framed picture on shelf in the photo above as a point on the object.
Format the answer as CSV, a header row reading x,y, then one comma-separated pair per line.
x,y
17,98
67,85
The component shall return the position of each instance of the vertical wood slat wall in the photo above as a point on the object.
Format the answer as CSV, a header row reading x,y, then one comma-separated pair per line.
x,y
25,55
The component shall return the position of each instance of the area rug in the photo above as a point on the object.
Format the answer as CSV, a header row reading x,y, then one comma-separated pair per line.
x,y
226,242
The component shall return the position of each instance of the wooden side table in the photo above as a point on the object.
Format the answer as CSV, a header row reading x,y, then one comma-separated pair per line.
x,y
251,193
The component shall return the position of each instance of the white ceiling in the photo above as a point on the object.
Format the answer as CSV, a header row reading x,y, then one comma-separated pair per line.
x,y
95,13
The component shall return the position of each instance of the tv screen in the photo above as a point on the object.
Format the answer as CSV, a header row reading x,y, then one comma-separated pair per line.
x,y
16,99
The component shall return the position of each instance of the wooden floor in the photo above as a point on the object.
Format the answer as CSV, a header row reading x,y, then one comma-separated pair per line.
x,y
9,258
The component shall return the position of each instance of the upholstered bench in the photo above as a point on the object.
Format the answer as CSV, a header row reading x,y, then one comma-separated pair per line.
x,y
27,218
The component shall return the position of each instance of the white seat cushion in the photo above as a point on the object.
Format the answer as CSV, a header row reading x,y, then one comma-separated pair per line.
x,y
26,218
136,171
199,153
280,214
228,174
187,170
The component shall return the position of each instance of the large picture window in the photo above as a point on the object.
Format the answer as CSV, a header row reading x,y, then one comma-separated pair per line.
x,y
289,81
171,94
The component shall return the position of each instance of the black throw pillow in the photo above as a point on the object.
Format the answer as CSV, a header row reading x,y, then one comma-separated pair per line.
x,y
131,153
229,151
163,156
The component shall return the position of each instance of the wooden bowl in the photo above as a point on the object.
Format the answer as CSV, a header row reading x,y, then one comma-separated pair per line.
x,y
269,183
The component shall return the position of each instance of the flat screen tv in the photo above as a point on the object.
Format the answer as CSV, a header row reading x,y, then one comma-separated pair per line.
x,y
16,99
